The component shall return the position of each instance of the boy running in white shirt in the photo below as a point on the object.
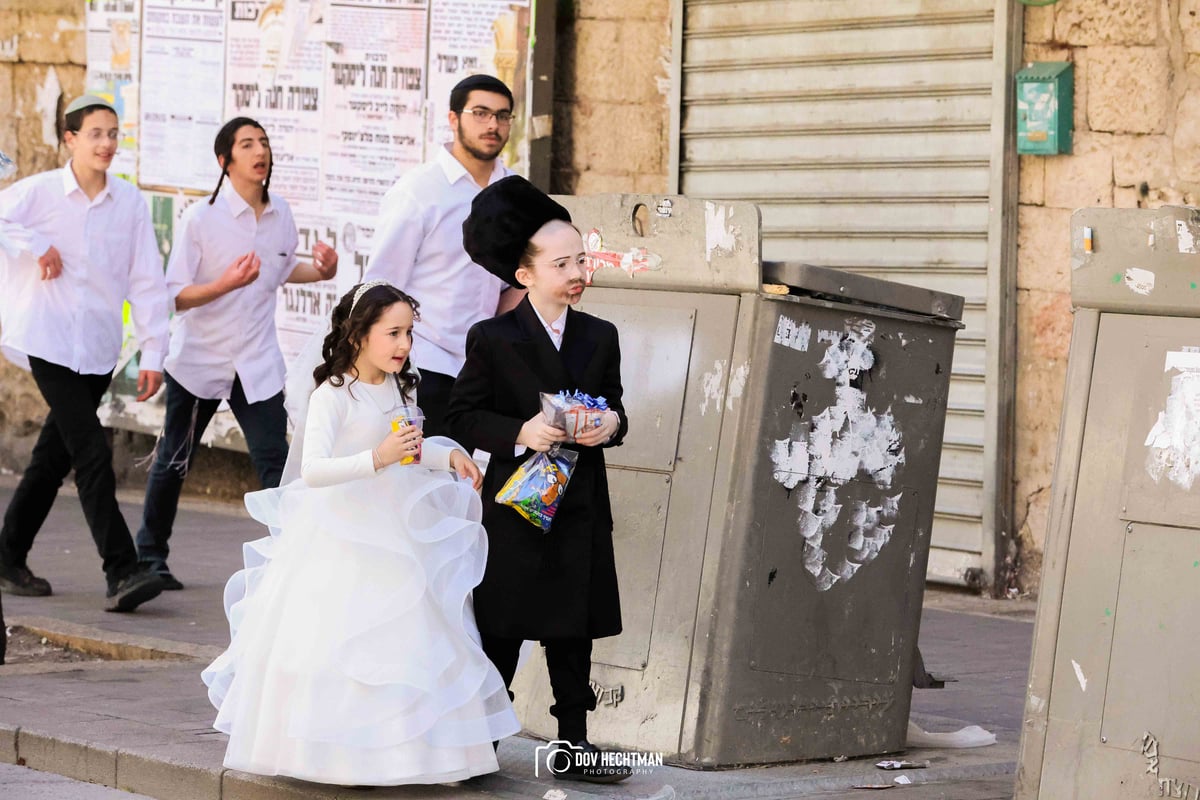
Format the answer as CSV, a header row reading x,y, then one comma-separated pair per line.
x,y
228,261
95,249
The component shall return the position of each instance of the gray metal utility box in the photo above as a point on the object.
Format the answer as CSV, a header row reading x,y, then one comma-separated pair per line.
x,y
774,497
1113,709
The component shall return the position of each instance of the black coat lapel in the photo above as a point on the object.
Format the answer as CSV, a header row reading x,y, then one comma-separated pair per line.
x,y
538,351
577,348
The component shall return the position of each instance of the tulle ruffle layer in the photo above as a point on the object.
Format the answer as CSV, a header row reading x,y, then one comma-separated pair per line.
x,y
354,656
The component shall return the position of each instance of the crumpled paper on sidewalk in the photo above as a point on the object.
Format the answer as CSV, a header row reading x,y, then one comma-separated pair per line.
x,y
970,736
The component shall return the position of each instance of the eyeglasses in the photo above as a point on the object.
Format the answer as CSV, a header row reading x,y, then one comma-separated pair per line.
x,y
487,115
96,134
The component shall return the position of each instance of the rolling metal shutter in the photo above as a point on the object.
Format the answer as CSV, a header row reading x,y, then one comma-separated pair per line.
x,y
864,131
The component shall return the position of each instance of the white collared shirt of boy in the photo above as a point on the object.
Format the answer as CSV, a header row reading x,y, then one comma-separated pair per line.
x,y
109,255
234,334
419,250
555,331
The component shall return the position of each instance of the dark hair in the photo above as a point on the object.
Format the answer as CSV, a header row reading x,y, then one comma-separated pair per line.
x,y
223,148
350,328
472,83
73,122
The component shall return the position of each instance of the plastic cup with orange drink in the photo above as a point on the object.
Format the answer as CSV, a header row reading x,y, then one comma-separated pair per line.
x,y
406,418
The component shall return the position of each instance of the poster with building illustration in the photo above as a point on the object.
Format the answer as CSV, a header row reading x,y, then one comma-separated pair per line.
x,y
478,36
274,70
113,52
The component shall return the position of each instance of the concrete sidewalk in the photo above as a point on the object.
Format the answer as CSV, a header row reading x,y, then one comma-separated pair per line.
x,y
143,725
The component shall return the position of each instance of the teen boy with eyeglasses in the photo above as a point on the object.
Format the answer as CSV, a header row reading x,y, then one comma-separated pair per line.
x,y
419,247
92,248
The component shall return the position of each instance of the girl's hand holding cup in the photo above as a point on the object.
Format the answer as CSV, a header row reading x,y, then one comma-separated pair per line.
x,y
403,444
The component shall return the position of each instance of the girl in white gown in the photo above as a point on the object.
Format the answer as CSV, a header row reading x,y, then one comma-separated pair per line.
x,y
354,657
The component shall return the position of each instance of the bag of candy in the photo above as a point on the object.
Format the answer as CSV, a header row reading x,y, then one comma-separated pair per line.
x,y
574,412
537,486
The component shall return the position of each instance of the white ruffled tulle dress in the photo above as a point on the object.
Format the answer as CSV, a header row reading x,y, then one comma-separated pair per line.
x,y
354,656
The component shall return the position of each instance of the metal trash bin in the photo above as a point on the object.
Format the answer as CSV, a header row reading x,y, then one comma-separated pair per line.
x,y
1114,682
773,504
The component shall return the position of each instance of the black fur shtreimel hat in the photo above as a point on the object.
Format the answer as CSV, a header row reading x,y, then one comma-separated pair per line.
x,y
503,218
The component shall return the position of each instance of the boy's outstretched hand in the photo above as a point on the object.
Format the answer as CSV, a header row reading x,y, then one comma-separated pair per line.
x,y
465,467
148,383
325,260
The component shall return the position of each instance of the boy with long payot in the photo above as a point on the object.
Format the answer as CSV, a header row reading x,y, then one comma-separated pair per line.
x,y
89,246
230,256
418,243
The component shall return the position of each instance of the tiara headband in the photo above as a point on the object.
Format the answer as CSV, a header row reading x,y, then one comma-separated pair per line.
x,y
363,289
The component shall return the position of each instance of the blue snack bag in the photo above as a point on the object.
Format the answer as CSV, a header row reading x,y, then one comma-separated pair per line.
x,y
536,488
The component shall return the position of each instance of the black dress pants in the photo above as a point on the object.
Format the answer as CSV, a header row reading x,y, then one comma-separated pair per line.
x,y
569,662
71,437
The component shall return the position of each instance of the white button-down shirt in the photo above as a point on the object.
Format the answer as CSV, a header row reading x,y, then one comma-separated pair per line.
x,y
234,334
554,329
109,255
418,249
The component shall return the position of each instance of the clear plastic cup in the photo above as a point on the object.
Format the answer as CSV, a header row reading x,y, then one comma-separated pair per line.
x,y
409,417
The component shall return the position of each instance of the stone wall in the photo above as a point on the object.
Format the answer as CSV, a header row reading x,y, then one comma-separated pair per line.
x,y
611,119
1137,144
611,106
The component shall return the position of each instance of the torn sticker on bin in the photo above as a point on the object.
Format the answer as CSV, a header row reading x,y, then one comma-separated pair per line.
x,y
720,234
1173,442
1186,233
790,333
840,464
1139,280
632,261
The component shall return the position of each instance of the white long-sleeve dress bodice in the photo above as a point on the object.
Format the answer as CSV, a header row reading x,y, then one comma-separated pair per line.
x,y
354,658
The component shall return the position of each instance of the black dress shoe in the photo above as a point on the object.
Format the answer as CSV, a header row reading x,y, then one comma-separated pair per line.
x,y
20,581
133,590
583,761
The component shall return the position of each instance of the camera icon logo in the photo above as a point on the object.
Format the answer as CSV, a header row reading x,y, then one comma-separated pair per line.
x,y
556,757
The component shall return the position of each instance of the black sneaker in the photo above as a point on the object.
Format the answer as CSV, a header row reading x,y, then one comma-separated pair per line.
x,y
19,580
583,761
170,582
133,590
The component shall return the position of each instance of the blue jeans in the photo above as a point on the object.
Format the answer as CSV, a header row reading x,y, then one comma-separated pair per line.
x,y
264,426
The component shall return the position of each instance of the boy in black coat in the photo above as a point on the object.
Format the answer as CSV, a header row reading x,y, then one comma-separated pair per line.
x,y
559,587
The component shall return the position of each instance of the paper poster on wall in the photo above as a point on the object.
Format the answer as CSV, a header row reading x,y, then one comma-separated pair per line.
x,y
374,79
302,308
113,50
182,92
274,75
478,36
352,93
307,307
